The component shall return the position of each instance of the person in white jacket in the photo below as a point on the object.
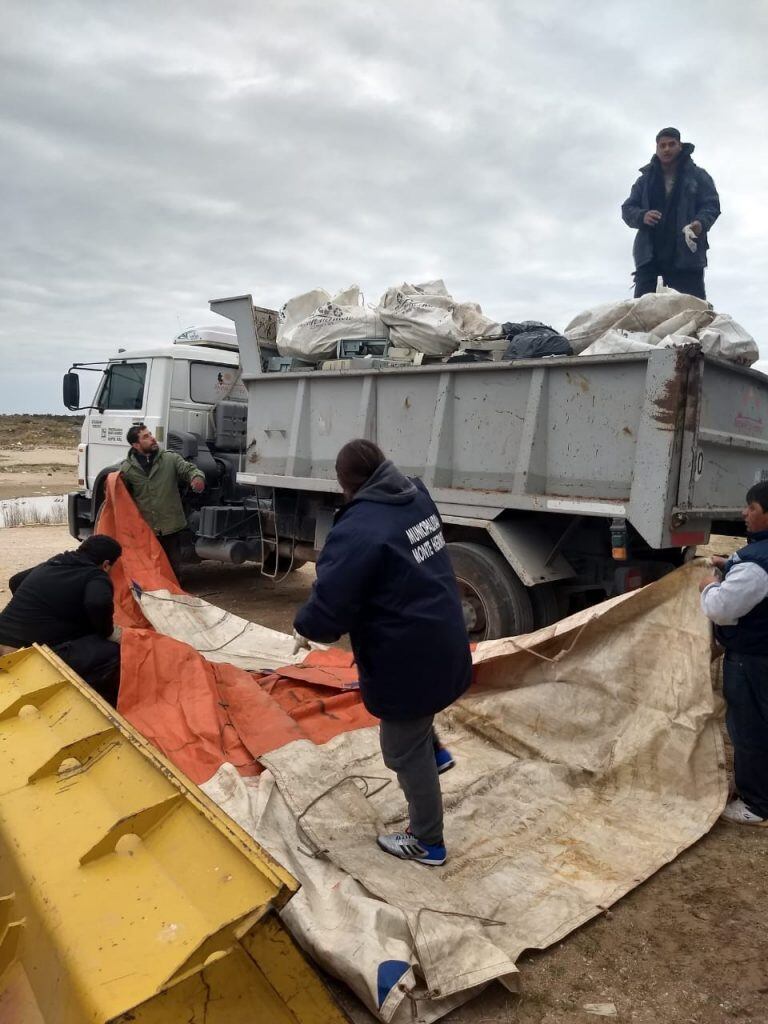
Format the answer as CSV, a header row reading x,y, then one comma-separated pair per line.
x,y
736,601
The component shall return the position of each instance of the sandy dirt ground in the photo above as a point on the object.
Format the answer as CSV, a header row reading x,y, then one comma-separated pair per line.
x,y
26,474
38,455
690,946
240,589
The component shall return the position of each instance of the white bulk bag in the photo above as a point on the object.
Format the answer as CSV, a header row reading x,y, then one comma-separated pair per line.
x,y
665,319
589,325
312,324
299,308
473,323
420,317
426,318
614,341
653,309
689,321
728,339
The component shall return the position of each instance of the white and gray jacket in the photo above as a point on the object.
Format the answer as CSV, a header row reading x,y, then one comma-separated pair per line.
x,y
738,605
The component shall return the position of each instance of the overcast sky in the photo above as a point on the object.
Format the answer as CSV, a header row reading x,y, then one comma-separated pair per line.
x,y
156,155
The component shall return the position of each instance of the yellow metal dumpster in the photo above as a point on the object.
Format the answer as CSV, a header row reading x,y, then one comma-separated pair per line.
x,y
125,894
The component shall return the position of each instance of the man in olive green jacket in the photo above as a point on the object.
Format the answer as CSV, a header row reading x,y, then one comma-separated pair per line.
x,y
152,476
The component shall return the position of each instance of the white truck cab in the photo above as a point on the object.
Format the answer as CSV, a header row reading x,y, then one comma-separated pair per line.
x,y
175,390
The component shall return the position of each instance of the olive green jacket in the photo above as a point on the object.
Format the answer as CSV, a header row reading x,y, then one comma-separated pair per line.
x,y
157,493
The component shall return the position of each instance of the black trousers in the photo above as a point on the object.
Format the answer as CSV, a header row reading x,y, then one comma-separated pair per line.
x,y
171,545
689,282
745,688
97,661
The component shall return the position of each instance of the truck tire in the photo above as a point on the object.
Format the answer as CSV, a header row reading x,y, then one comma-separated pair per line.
x,y
548,604
494,600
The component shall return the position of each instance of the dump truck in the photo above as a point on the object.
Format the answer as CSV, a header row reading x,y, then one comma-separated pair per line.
x,y
560,481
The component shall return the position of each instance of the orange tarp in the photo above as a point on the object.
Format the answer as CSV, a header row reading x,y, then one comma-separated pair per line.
x,y
201,714
143,560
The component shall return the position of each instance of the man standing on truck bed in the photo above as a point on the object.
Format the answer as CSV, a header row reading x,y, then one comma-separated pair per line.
x,y
152,476
737,602
384,576
673,204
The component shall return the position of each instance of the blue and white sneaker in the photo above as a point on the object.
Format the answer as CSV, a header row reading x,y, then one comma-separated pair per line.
x,y
443,760
408,847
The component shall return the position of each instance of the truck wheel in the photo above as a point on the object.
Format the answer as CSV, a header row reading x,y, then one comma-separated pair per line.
x,y
494,600
548,605
285,565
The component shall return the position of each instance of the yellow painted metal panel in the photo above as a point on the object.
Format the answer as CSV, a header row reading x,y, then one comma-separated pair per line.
x,y
126,890
272,947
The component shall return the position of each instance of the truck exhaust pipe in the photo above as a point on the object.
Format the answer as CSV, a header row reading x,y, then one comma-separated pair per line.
x,y
234,551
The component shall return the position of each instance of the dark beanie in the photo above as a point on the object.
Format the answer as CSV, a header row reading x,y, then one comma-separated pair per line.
x,y
673,133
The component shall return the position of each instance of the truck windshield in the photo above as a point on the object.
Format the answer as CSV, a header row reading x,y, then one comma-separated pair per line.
x,y
123,386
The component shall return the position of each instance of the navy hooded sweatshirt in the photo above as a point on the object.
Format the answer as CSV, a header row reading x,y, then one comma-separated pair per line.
x,y
384,577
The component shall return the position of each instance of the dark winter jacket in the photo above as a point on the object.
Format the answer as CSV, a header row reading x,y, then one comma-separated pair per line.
x,y
694,198
384,577
62,599
157,492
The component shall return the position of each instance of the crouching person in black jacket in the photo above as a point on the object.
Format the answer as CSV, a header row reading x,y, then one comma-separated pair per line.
x,y
68,603
385,578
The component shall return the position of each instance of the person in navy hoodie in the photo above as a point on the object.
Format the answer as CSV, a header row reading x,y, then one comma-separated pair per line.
x,y
736,600
384,576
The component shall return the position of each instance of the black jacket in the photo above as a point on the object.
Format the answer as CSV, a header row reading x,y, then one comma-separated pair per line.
x,y
694,198
384,577
62,599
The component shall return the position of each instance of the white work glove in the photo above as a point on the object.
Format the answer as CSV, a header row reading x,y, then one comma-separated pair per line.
x,y
300,643
690,238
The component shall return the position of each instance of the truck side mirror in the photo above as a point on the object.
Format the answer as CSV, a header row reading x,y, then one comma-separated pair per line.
x,y
71,390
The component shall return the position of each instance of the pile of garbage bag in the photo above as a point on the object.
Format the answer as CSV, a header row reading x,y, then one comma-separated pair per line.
x,y
533,340
663,319
413,317
424,320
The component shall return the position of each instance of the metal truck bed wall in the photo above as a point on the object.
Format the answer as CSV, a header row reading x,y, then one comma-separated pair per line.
x,y
667,439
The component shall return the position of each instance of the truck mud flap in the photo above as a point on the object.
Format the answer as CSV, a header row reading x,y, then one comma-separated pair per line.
x,y
125,894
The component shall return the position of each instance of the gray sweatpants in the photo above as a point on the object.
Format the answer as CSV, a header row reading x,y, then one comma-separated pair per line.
x,y
408,748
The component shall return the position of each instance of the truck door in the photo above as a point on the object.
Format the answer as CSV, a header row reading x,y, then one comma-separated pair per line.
x,y
121,401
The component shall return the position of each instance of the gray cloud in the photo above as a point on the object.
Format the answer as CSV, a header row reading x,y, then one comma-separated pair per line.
x,y
155,156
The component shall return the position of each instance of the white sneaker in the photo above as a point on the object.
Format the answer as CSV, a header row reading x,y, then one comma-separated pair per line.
x,y
738,813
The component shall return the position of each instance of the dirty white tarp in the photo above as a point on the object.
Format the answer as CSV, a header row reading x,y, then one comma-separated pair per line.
x,y
592,758
219,635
